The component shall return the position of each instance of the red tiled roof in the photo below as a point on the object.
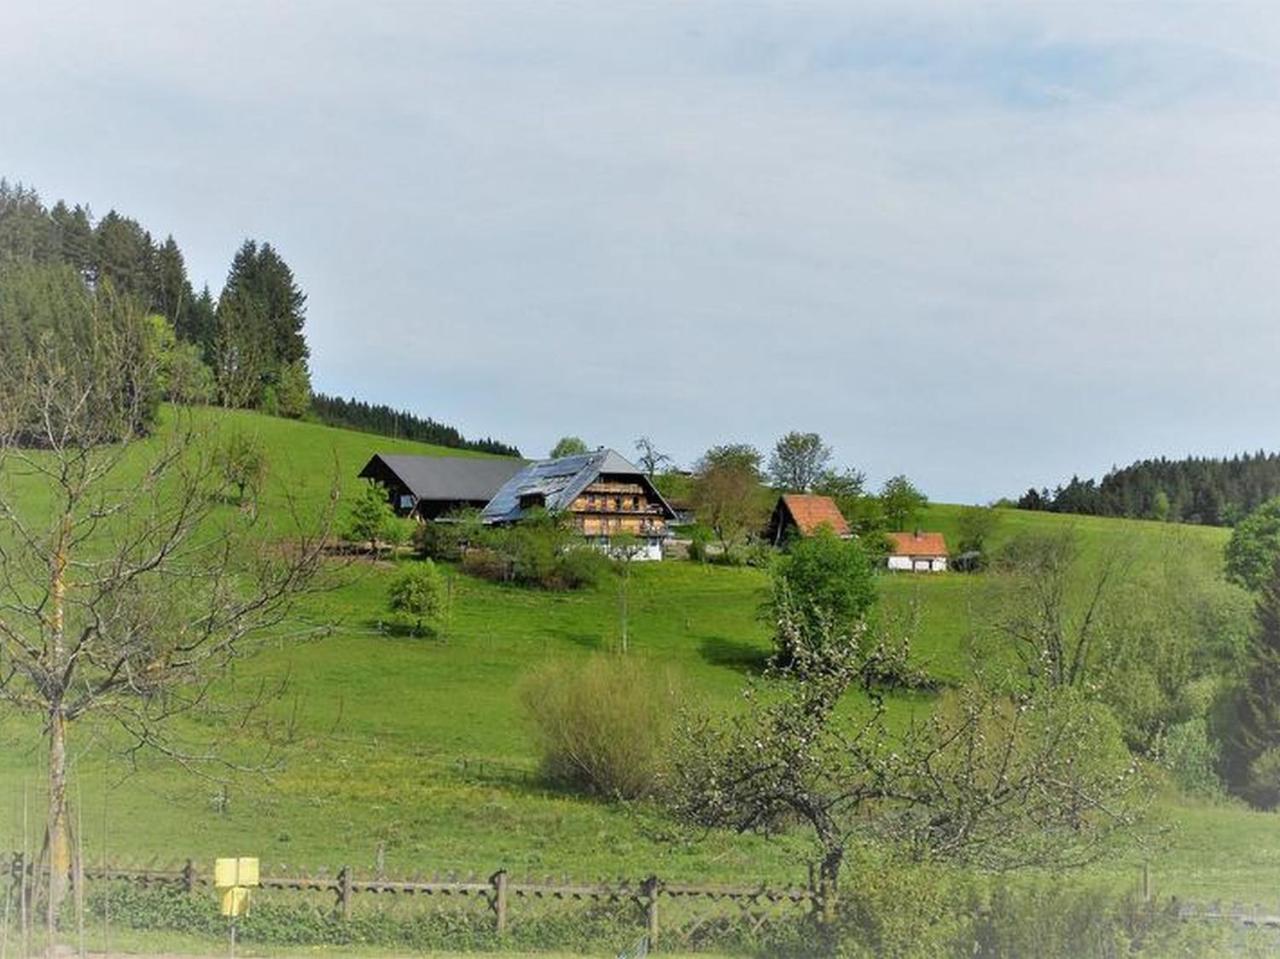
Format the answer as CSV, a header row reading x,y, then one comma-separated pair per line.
x,y
811,512
918,544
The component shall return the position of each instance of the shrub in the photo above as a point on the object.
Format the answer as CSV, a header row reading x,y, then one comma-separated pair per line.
x,y
486,563
602,726
448,538
1191,756
417,594
542,550
576,568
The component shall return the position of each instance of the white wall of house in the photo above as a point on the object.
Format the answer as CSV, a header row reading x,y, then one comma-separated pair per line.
x,y
918,564
649,550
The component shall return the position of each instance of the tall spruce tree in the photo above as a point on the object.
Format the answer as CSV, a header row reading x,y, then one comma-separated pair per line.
x,y
125,256
1253,756
74,229
171,293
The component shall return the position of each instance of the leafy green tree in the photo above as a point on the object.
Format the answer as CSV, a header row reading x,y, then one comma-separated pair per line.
x,y
417,592
847,489
977,524
1254,546
568,446
726,492
370,518
826,583
183,375
901,502
798,460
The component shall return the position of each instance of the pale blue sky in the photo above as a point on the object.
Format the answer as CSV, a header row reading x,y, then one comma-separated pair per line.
x,y
987,245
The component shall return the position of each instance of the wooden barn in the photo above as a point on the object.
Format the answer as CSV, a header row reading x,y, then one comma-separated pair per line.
x,y
803,514
605,494
431,486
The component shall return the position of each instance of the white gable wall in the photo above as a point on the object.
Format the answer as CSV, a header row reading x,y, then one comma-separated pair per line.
x,y
918,564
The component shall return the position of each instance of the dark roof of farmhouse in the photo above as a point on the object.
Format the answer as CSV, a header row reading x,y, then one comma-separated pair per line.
x,y
461,478
559,481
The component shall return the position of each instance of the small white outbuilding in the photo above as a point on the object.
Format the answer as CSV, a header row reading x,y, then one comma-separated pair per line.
x,y
918,552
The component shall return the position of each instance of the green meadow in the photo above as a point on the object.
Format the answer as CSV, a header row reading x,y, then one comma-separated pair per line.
x,y
418,746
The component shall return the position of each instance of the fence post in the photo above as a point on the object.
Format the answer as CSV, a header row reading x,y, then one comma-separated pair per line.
x,y
189,877
650,890
499,880
344,893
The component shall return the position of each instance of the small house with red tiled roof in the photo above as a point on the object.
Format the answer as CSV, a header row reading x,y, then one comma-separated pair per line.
x,y
918,552
803,514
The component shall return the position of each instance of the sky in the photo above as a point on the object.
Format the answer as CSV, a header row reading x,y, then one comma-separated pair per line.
x,y
986,245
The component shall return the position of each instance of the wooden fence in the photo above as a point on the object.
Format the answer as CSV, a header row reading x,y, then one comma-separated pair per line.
x,y
678,911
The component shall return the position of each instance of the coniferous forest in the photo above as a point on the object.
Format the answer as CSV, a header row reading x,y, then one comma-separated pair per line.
x,y
243,349
1208,490
377,418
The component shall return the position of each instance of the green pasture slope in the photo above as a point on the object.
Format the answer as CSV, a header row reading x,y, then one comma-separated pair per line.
x,y
419,745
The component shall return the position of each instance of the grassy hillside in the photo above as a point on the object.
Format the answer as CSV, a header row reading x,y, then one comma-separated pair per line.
x,y
420,744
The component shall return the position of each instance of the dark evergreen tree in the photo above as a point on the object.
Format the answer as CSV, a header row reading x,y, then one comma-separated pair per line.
x,y
1252,758
171,293
259,274
125,256
26,232
74,229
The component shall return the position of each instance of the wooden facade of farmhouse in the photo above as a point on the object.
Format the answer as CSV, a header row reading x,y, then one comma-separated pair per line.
x,y
609,507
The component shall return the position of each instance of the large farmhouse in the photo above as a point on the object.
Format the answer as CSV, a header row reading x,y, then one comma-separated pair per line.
x,y
918,552
605,494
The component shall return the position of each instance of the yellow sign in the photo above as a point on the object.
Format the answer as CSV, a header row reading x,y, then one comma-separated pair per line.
x,y
228,873
235,901
233,879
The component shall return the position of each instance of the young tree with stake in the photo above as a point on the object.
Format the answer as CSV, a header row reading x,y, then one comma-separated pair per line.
x,y
126,586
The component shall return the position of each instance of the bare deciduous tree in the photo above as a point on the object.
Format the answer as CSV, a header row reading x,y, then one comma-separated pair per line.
x,y
649,458
126,589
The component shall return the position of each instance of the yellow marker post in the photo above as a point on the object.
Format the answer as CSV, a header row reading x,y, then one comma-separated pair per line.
x,y
233,878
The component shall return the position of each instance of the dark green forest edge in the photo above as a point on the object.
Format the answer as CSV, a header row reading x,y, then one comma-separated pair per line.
x,y
244,349
1207,490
